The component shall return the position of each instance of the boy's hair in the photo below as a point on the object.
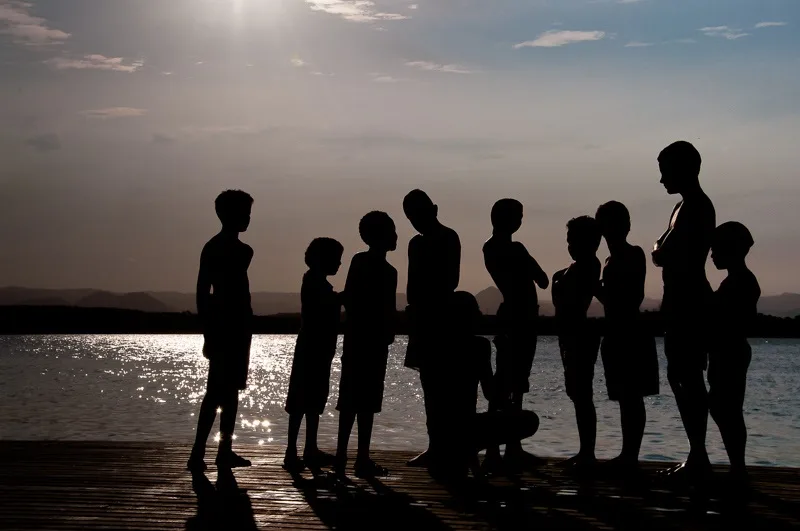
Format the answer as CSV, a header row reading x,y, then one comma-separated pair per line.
x,y
230,203
505,211
587,230
373,226
683,156
321,249
465,309
614,215
416,199
735,237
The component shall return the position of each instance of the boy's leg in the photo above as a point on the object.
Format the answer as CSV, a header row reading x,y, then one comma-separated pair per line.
x,y
633,419
346,421
312,429
586,417
364,466
295,420
227,422
205,422
691,397
726,399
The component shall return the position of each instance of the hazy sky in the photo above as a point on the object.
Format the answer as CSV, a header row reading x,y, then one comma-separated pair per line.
x,y
121,120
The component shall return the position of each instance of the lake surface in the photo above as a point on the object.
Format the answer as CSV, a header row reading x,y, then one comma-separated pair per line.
x,y
148,388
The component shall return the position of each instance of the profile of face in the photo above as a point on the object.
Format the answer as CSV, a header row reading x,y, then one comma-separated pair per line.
x,y
333,263
511,223
670,177
241,220
422,215
575,245
387,240
720,256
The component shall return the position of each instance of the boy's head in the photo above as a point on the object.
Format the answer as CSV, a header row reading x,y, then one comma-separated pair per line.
x,y
324,254
233,209
614,220
466,312
507,216
378,231
679,163
420,210
583,237
730,244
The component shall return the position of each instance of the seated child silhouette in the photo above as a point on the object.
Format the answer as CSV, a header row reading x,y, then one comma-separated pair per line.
x,y
370,306
734,310
628,351
467,364
309,383
516,274
573,290
223,305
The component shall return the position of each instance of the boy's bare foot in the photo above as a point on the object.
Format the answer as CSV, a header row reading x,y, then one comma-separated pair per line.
x,y
229,459
493,464
369,469
523,460
318,459
293,464
690,471
620,465
421,461
196,464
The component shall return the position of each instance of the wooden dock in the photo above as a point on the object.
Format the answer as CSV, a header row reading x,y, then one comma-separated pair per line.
x,y
143,486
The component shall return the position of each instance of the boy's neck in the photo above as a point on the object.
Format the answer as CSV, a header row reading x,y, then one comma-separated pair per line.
x,y
377,253
317,272
737,268
502,236
692,190
615,246
229,233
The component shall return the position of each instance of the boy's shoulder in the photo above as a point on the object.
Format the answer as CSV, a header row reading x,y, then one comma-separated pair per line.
x,y
481,343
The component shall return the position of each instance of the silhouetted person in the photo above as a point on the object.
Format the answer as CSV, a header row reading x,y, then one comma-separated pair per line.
x,y
369,301
573,290
734,311
223,305
629,352
309,384
682,252
434,262
516,274
468,364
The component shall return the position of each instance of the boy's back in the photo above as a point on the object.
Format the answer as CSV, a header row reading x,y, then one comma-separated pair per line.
x,y
223,264
370,296
513,270
573,290
735,306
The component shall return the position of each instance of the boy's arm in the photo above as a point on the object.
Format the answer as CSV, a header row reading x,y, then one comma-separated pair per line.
x,y
453,265
391,308
204,288
667,244
539,276
485,376
413,261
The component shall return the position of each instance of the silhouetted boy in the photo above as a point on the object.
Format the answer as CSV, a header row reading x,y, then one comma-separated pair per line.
x,y
573,290
309,384
629,353
434,262
369,301
223,305
682,252
734,311
516,274
469,364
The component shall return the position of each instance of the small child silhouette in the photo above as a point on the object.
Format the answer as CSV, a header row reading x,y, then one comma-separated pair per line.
x,y
629,353
370,306
734,311
468,364
309,383
573,290
516,274
225,314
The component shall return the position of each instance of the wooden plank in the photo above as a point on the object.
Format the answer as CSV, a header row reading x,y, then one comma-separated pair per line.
x,y
144,486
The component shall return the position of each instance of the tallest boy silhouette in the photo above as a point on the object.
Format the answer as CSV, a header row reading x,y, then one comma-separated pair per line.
x,y
681,253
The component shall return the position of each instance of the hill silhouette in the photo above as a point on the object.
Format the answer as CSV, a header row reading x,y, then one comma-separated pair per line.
x,y
274,303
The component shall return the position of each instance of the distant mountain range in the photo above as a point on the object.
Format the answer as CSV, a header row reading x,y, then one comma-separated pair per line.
x,y
268,303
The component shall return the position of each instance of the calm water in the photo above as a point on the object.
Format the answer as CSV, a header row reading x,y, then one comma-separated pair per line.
x,y
136,387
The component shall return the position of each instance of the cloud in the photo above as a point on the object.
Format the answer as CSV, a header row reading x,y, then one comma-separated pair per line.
x,y
554,38
413,6
436,67
95,62
353,10
113,112
160,138
299,63
44,143
638,44
769,25
723,31
17,21
379,78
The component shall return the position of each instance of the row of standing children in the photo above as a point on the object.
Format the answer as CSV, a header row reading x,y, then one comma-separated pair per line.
x,y
463,360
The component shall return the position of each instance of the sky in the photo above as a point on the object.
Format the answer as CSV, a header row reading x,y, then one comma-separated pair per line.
x,y
120,122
